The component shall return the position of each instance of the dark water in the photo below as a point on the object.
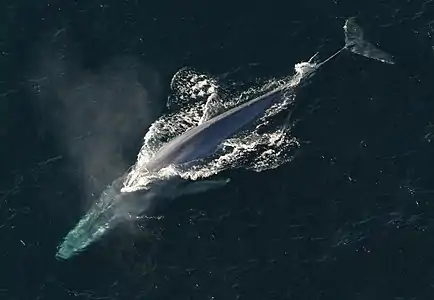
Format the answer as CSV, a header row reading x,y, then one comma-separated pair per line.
x,y
352,217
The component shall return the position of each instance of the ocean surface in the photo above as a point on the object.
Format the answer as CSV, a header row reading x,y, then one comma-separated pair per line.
x,y
350,217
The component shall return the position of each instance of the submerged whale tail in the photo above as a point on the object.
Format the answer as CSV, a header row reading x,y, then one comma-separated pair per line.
x,y
355,42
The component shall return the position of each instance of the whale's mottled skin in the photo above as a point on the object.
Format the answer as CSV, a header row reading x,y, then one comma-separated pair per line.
x,y
203,140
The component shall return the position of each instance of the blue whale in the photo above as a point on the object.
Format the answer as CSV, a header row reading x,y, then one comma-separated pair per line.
x,y
200,142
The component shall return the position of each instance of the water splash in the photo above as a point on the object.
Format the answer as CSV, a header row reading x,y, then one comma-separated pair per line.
x,y
197,97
